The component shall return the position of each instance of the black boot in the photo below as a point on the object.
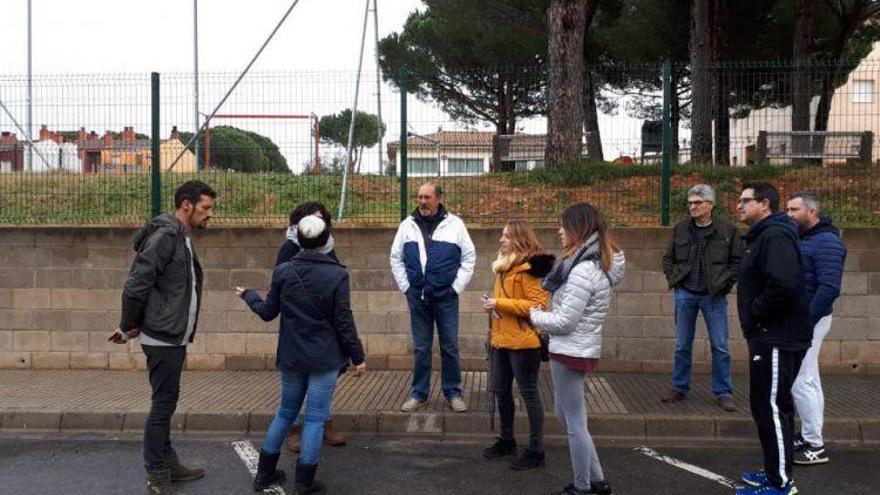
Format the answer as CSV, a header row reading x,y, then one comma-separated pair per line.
x,y
305,483
267,475
500,448
600,488
528,459
159,483
178,471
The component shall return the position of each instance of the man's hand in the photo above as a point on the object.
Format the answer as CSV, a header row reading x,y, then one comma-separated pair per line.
x,y
239,291
360,369
120,337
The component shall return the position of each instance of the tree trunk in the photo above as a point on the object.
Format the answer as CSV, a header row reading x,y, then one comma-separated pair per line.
x,y
800,85
566,27
722,94
701,92
591,119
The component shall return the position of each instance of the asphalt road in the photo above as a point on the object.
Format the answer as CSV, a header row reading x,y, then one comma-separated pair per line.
x,y
89,465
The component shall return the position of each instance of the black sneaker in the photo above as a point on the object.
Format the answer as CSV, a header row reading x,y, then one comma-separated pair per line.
x,y
500,448
569,489
809,455
798,442
600,488
529,459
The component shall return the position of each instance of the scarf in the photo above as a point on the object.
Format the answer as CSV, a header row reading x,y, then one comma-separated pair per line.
x,y
558,276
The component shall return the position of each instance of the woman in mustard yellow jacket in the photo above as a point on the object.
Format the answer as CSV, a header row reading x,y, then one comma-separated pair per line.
x,y
518,270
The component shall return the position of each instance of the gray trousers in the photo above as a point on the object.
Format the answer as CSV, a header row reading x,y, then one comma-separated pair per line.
x,y
571,410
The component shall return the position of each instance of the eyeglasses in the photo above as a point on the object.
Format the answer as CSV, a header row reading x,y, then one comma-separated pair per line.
x,y
698,202
743,201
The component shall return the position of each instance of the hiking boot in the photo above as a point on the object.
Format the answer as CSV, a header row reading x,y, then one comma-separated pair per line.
x,y
528,459
294,438
500,448
809,455
788,489
178,471
412,404
600,488
267,475
457,404
673,396
726,402
305,483
754,478
331,437
569,489
159,483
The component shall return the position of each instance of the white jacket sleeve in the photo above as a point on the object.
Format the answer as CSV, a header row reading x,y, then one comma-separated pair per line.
x,y
398,269
565,315
468,260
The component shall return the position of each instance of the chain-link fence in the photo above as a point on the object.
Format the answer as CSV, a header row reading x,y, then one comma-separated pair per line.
x,y
81,150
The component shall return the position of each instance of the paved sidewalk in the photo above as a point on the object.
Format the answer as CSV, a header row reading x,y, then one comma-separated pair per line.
x,y
621,406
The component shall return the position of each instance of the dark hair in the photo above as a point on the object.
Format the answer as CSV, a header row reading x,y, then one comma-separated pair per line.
x,y
579,221
310,208
192,191
764,190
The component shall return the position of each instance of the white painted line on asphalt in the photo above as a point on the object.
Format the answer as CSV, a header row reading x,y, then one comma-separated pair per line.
x,y
687,467
250,457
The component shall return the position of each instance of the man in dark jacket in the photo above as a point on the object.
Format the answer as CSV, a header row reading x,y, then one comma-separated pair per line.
x,y
823,255
701,265
776,325
160,302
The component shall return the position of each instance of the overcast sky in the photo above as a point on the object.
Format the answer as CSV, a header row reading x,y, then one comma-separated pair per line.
x,y
156,35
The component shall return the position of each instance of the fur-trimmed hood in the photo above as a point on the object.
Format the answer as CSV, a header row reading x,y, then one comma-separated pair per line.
x,y
541,264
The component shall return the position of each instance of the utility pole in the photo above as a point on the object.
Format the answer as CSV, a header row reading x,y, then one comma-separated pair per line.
x,y
196,77
30,87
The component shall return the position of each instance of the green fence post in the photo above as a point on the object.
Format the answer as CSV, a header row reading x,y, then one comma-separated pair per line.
x,y
667,143
155,177
404,200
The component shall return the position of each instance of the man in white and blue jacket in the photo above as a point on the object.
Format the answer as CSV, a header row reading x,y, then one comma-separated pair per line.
x,y
823,255
432,260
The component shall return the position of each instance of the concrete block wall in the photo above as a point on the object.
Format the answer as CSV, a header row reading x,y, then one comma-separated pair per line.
x,y
60,298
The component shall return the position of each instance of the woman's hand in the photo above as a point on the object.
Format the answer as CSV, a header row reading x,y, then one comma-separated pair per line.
x,y
239,291
360,369
490,305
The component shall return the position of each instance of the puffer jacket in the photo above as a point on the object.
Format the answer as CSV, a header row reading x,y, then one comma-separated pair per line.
x,y
823,255
580,306
516,292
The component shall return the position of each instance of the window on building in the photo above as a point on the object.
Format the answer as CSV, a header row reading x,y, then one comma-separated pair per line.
x,y
863,91
521,165
465,165
422,166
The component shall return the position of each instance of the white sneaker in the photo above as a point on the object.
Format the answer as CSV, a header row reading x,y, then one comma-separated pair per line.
x,y
457,404
412,404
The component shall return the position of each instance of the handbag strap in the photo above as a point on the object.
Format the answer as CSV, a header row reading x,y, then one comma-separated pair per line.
x,y
311,297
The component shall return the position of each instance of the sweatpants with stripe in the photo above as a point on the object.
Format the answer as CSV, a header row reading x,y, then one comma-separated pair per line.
x,y
772,372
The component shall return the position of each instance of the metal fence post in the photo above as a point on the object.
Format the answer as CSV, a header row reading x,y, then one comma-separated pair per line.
x,y
667,144
401,83
155,177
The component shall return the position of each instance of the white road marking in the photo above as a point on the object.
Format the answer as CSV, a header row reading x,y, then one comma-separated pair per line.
x,y
687,467
250,457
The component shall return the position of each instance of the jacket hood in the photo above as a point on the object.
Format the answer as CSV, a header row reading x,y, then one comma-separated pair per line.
x,y
618,268
775,219
164,221
824,225
541,264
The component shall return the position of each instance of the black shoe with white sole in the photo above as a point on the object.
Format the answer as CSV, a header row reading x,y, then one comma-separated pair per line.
x,y
809,455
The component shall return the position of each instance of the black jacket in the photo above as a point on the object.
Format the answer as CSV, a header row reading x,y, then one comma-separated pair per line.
x,y
312,294
158,290
770,296
721,255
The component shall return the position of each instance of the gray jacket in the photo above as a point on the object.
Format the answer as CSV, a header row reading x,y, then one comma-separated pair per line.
x,y
157,293
580,307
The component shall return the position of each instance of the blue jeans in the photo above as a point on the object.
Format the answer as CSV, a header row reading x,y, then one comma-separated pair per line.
x,y
423,315
294,386
714,309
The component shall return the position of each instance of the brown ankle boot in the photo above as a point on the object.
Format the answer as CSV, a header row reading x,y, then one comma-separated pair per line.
x,y
294,438
331,437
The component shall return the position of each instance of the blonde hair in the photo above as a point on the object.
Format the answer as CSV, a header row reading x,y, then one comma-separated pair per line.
x,y
524,244
580,221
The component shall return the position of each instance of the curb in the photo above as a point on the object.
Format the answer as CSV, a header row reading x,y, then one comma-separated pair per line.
x,y
630,427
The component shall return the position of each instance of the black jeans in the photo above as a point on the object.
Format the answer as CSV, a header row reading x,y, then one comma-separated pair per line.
x,y
522,365
164,365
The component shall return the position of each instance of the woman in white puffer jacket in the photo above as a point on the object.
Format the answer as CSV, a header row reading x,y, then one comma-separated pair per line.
x,y
581,285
